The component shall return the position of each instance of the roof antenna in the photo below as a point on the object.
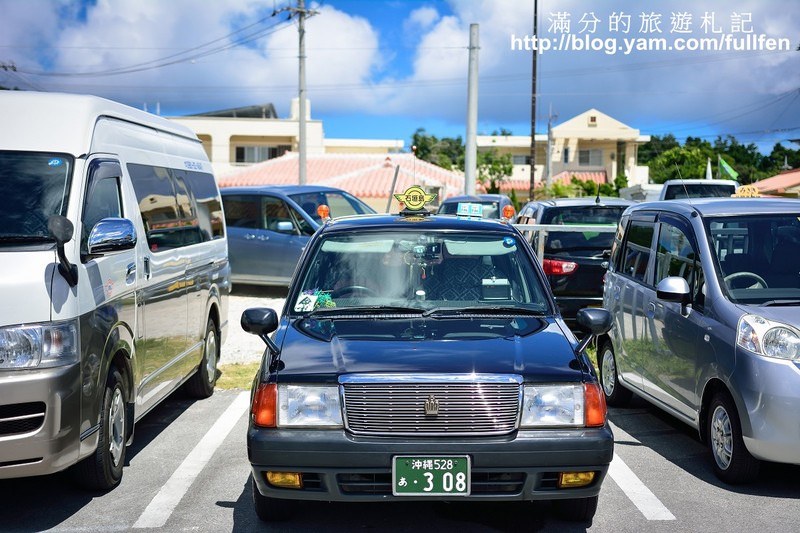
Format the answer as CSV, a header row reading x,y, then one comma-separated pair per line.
x,y
597,199
683,184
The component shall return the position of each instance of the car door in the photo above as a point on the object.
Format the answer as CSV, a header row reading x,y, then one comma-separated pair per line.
x,y
635,292
679,329
286,242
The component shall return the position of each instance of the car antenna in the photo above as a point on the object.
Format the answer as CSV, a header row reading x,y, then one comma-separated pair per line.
x,y
683,184
597,199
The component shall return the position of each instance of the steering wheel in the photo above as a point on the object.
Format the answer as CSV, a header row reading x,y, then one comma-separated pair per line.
x,y
352,290
736,275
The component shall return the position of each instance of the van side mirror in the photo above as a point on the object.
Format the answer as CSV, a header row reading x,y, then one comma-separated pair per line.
x,y
261,321
62,229
673,289
596,321
111,235
285,226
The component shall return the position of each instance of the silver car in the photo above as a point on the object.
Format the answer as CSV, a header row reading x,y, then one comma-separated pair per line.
x,y
705,295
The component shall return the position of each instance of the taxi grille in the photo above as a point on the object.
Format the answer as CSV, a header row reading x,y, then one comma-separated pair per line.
x,y
461,408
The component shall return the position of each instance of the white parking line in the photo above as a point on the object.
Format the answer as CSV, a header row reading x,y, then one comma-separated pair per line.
x,y
160,508
636,491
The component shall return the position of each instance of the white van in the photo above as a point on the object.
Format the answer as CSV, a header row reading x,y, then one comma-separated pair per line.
x,y
114,279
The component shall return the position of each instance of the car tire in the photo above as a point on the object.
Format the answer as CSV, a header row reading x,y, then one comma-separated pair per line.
x,y
731,461
103,469
271,509
616,395
576,510
201,384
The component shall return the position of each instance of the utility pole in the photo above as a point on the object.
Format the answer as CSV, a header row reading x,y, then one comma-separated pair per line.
x,y
471,148
533,99
548,173
302,13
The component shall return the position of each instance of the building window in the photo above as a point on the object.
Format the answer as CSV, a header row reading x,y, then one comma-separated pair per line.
x,y
590,158
592,120
566,155
521,159
256,154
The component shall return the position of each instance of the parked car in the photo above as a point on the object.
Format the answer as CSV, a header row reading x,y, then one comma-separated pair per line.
x,y
269,226
704,294
575,261
493,204
115,279
421,356
698,188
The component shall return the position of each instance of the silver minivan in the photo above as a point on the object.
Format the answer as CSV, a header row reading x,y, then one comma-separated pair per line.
x,y
705,296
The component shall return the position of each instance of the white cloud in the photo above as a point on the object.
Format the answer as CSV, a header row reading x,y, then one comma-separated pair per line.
x,y
421,18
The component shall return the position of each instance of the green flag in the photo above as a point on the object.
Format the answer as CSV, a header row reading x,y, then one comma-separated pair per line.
x,y
727,168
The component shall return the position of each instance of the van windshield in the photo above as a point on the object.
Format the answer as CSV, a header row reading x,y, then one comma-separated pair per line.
x,y
699,190
35,187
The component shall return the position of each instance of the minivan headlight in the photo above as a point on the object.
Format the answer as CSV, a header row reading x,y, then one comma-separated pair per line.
x,y
309,406
39,346
766,337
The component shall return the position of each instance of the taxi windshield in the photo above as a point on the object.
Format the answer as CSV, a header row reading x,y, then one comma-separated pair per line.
x,y
758,257
420,271
35,187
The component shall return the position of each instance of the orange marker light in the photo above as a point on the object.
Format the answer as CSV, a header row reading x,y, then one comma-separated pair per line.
x,y
324,211
595,405
508,212
265,409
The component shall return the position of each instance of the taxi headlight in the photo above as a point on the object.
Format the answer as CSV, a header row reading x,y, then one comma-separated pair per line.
x,y
766,337
552,405
309,406
39,346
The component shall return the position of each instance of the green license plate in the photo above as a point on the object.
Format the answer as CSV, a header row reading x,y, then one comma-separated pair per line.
x,y
431,475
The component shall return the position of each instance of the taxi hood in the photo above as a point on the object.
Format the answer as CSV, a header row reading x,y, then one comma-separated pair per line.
x,y
25,285
539,352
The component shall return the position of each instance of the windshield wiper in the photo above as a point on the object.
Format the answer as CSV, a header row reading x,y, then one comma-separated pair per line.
x,y
482,310
364,309
786,302
26,238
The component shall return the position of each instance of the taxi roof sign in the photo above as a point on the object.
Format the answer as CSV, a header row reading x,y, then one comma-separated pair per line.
x,y
467,209
747,191
415,198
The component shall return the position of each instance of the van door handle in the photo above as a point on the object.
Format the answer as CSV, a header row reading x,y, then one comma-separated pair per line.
x,y
146,262
130,274
651,310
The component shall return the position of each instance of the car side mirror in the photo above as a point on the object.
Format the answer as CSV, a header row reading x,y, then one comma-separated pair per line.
x,y
261,321
61,229
673,289
596,321
284,226
111,235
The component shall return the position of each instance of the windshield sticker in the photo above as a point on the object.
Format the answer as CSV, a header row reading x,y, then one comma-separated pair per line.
x,y
55,162
313,299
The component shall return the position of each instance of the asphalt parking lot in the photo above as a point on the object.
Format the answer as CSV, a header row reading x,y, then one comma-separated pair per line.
x,y
188,471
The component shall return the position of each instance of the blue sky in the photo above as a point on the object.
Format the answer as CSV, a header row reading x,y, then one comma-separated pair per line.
x,y
381,69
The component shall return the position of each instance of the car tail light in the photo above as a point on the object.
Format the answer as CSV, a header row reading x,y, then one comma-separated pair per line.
x,y
264,408
554,267
595,405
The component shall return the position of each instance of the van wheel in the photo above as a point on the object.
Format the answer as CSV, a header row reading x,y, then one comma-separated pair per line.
x,y
732,462
201,384
103,469
271,509
576,510
616,395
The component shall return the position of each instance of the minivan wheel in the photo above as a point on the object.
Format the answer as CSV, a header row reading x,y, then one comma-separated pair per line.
x,y
731,461
103,469
271,509
616,395
201,384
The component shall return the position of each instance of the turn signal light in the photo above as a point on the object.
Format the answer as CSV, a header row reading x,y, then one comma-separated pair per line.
x,y
570,480
554,267
285,480
595,405
264,408
324,211
508,212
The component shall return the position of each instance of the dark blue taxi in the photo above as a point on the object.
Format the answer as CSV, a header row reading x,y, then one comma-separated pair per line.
x,y
423,357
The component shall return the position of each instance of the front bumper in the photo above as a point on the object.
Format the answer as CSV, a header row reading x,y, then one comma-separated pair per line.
x,y
770,391
39,420
337,466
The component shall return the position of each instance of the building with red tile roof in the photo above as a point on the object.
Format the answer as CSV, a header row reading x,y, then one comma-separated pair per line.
x,y
784,184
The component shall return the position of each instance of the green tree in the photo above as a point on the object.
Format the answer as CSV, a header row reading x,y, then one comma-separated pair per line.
x,y
679,162
447,152
656,146
493,168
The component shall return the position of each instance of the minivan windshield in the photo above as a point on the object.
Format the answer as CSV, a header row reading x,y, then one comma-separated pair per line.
x,y
758,257
410,271
35,187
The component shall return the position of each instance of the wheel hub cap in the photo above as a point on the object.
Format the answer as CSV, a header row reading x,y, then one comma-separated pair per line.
x,y
211,356
116,427
609,372
721,438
